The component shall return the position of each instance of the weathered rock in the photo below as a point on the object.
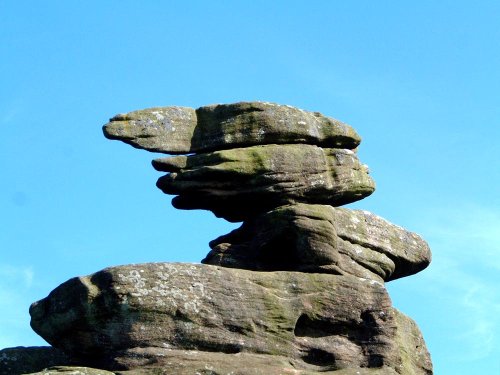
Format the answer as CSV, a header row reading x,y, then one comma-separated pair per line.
x,y
415,359
190,362
199,363
320,322
321,238
175,130
324,308
73,370
22,360
240,183
156,361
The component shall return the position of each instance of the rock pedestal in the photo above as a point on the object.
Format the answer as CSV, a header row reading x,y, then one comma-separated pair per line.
x,y
297,289
152,315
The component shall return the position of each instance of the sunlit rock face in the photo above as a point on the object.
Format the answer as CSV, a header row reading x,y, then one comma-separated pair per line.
x,y
181,130
298,288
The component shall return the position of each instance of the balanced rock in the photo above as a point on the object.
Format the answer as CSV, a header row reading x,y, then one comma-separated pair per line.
x,y
240,183
248,158
297,289
325,239
284,172
180,130
319,322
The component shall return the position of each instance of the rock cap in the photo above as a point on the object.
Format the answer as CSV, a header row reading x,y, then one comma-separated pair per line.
x,y
180,130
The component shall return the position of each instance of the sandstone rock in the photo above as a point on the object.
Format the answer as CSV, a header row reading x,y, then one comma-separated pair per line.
x,y
22,360
320,322
240,183
198,363
166,362
189,362
415,359
73,370
321,238
324,308
175,130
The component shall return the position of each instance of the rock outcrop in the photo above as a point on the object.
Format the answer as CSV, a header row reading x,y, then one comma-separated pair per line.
x,y
297,289
240,183
181,130
323,239
319,322
22,360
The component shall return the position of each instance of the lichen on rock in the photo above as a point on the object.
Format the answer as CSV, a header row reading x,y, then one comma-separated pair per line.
x,y
180,130
324,239
321,322
240,183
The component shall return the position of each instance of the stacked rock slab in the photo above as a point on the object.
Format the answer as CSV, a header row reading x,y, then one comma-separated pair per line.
x,y
298,288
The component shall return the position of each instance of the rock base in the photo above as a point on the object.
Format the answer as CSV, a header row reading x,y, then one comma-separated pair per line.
x,y
172,315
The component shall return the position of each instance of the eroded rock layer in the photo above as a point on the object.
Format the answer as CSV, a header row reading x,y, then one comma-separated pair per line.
x,y
325,239
181,130
320,322
240,183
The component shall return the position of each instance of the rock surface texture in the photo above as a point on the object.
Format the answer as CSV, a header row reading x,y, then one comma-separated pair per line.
x,y
297,289
240,183
319,322
323,239
181,130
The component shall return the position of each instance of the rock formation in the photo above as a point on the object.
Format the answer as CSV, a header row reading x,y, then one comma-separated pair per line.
x,y
297,289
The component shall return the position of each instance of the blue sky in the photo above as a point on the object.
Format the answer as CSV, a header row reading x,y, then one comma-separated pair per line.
x,y
418,80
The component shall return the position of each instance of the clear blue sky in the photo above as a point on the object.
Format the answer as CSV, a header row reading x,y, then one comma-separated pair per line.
x,y
419,80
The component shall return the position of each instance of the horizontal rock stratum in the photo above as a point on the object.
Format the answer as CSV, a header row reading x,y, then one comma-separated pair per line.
x,y
325,239
240,183
246,158
319,322
180,130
